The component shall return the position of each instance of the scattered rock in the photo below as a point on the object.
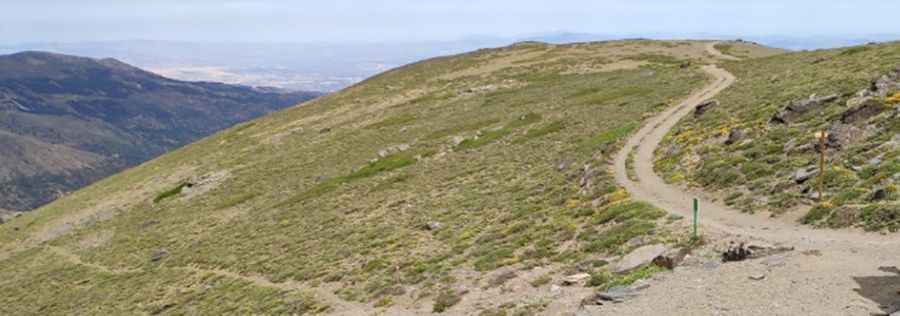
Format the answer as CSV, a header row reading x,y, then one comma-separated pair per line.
x,y
758,277
875,161
759,251
640,257
617,294
590,265
432,226
325,130
592,300
797,108
705,106
600,201
735,136
637,241
736,253
884,85
774,261
792,146
640,285
840,135
501,279
555,289
457,140
392,150
672,258
711,265
149,223
804,174
159,255
576,279
812,252
673,149
879,195
814,195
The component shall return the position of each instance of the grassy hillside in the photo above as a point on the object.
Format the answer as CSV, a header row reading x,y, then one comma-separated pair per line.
x,y
403,188
763,167
743,49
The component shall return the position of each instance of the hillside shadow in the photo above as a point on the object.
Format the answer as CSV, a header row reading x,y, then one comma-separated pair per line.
x,y
882,290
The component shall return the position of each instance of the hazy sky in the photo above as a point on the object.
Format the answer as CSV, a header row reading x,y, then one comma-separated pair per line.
x,y
420,20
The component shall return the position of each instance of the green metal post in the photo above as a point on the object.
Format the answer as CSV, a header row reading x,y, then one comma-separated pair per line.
x,y
696,217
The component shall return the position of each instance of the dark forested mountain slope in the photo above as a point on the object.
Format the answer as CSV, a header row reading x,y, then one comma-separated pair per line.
x,y
66,121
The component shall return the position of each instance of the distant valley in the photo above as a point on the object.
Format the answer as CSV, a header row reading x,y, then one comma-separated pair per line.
x,y
287,66
68,121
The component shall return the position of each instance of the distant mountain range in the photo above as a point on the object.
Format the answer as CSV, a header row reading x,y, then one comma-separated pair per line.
x,y
67,121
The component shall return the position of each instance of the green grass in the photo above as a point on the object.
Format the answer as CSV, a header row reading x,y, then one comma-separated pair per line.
x,y
387,164
639,274
606,138
306,207
622,222
658,58
170,193
542,131
393,121
491,136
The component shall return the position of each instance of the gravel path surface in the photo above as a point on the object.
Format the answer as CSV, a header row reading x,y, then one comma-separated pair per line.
x,y
830,272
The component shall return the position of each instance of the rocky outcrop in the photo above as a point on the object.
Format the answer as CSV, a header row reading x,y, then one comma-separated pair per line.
x,y
795,109
866,110
882,86
705,106
868,103
841,135
735,136
804,174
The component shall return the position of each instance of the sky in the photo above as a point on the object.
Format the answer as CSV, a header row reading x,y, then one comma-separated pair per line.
x,y
342,21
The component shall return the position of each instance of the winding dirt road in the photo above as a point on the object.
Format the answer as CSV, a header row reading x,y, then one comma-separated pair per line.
x,y
831,272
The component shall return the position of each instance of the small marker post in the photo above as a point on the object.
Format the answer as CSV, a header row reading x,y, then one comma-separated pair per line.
x,y
696,217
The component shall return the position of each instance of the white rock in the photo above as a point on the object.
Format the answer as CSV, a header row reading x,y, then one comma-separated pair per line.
x,y
576,279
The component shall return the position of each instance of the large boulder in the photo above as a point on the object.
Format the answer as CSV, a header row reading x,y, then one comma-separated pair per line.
x,y
640,257
705,106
